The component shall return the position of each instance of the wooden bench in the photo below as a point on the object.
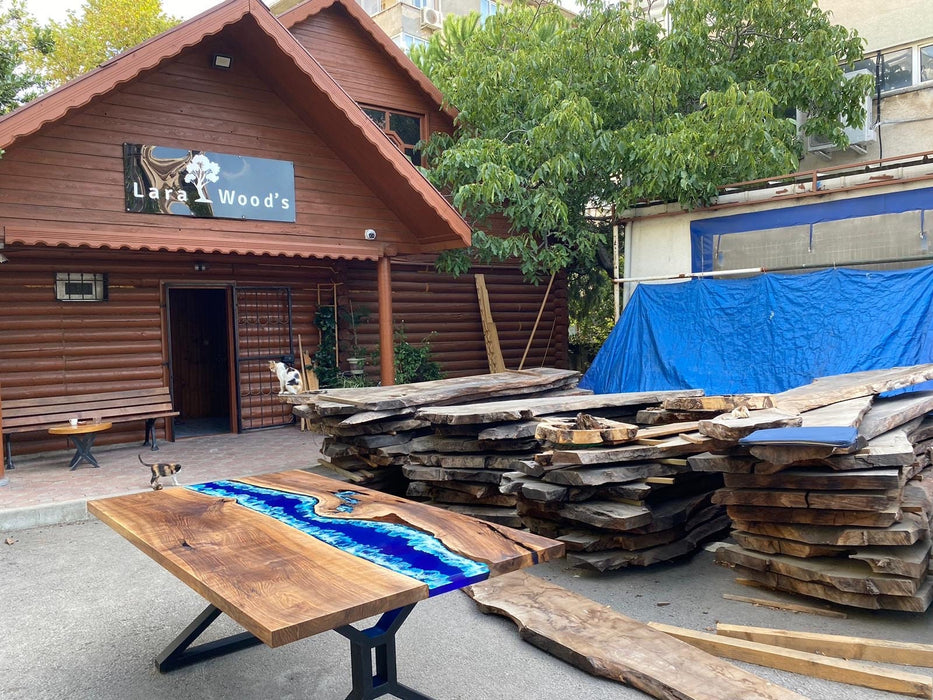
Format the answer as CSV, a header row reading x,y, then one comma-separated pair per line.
x,y
28,415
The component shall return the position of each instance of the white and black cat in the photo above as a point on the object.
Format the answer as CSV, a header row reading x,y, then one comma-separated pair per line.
x,y
289,378
160,469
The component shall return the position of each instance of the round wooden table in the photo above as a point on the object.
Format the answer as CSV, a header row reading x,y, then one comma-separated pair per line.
x,y
82,435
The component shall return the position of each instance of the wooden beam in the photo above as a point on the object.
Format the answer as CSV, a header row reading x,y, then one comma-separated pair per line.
x,y
814,665
386,327
534,328
490,334
839,646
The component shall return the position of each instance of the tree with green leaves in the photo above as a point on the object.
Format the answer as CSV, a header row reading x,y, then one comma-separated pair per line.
x,y
20,37
560,117
97,32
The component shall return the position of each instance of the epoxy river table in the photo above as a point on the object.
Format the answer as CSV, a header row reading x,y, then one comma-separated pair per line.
x,y
291,554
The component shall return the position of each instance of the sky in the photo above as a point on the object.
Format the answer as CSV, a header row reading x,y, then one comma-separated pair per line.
x,y
45,10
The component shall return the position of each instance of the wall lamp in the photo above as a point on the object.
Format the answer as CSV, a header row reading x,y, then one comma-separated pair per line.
x,y
3,259
200,266
221,61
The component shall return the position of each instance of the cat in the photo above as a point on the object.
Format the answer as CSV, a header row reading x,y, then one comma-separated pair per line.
x,y
289,378
160,469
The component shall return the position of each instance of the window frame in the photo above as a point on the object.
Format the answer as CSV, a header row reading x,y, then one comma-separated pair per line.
x,y
393,136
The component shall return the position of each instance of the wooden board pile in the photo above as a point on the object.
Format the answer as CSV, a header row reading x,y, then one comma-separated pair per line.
x,y
371,431
496,438
844,523
616,493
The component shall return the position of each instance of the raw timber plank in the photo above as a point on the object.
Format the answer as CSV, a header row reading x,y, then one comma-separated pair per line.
x,y
832,389
888,414
837,645
851,672
720,403
811,516
779,545
728,427
908,560
823,479
904,533
611,474
604,642
527,409
440,391
917,603
783,605
685,544
843,574
509,431
892,449
833,500
725,463
585,430
671,447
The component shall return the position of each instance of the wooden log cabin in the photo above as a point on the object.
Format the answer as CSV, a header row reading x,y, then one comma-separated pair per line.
x,y
119,275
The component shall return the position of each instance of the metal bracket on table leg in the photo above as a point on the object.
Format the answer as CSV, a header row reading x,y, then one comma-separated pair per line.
x,y
178,654
380,638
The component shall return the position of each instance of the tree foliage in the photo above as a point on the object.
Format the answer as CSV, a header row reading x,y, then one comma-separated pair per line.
x,y
19,37
97,32
559,116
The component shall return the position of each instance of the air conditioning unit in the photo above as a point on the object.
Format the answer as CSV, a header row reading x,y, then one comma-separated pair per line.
x,y
857,136
431,18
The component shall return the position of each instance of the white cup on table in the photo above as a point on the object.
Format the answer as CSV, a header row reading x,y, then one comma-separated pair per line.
x,y
74,422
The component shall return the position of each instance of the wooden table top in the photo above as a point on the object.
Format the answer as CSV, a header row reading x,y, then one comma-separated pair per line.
x,y
291,554
79,429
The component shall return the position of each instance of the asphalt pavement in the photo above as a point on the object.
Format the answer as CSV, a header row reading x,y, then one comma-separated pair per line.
x,y
83,613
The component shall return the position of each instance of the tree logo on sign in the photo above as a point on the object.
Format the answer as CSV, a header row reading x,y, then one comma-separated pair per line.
x,y
200,171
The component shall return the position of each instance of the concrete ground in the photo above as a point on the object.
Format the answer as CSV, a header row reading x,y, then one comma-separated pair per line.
x,y
83,612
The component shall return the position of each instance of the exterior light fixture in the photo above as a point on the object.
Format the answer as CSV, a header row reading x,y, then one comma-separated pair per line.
x,y
200,266
222,61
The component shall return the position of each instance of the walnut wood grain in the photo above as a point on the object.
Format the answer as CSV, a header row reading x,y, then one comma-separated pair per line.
x,y
282,584
606,643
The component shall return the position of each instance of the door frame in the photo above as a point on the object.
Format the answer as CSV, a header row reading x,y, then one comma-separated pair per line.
x,y
232,392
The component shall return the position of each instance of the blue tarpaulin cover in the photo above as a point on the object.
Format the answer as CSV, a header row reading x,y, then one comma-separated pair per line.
x,y
768,333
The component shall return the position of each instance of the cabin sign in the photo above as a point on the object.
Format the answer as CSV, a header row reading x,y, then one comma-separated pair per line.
x,y
162,180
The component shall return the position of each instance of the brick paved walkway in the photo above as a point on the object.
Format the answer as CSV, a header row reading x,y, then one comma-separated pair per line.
x,y
44,481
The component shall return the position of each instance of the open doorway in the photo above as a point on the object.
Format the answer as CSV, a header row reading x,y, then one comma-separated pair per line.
x,y
199,358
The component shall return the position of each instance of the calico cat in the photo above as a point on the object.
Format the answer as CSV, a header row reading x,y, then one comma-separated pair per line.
x,y
160,469
289,378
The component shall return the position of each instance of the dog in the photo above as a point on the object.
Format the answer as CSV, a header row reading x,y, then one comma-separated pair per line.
x,y
289,378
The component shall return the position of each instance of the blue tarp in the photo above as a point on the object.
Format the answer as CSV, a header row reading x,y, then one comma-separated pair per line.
x,y
768,333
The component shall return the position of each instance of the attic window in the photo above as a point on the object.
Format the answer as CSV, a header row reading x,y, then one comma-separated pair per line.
x,y
404,130
80,286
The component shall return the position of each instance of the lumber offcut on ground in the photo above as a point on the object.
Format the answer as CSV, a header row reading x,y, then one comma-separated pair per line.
x,y
603,642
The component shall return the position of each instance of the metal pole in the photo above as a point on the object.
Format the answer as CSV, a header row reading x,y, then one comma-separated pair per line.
x,y
688,275
616,288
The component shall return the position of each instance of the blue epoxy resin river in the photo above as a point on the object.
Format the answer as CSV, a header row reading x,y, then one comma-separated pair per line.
x,y
405,550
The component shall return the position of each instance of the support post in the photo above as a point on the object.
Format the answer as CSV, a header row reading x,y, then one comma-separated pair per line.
x,y
3,439
377,641
386,328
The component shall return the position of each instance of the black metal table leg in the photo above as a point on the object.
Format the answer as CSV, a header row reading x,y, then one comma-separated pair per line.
x,y
379,640
83,444
180,653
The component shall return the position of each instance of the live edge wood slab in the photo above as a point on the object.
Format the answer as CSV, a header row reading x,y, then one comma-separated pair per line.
x,y
282,583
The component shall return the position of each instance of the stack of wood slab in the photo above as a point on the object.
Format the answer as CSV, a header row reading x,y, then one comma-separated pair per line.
x,y
498,438
371,431
616,493
847,523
